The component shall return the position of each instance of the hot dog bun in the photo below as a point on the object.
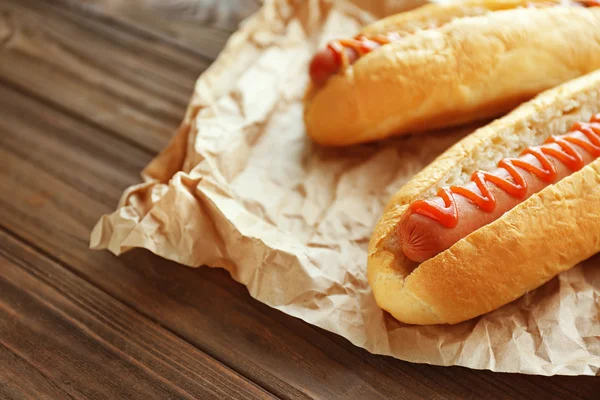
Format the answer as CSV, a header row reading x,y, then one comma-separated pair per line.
x,y
546,234
468,69
437,14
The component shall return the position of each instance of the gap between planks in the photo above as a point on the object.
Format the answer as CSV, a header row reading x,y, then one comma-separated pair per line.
x,y
152,349
143,23
128,85
76,116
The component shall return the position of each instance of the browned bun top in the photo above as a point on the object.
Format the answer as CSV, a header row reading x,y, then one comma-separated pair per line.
x,y
468,69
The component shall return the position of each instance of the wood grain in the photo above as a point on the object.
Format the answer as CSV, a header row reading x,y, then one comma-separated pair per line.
x,y
69,339
125,83
67,150
197,25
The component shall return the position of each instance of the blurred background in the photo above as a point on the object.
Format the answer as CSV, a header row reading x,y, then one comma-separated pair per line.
x,y
218,13
180,19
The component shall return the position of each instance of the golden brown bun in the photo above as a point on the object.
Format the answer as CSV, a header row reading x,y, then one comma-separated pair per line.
x,y
437,14
468,69
548,233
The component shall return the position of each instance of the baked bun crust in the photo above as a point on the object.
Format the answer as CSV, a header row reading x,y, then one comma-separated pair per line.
x,y
437,14
470,68
546,234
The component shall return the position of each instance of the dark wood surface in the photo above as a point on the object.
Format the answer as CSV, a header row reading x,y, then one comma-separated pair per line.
x,y
86,100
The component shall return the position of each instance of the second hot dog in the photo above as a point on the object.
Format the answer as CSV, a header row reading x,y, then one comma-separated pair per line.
x,y
455,70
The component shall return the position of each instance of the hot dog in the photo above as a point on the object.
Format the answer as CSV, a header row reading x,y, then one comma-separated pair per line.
x,y
432,226
478,254
442,65
339,54
344,52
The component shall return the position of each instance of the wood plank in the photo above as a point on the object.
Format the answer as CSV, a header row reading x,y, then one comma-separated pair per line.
x,y
129,84
62,337
19,380
52,206
199,26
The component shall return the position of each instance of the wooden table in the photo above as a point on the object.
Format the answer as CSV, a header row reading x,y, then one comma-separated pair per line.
x,y
86,100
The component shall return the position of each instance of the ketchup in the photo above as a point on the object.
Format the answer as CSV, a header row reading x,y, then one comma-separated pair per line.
x,y
589,3
360,44
447,214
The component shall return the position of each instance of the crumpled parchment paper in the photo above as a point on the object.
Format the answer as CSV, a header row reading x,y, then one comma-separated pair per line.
x,y
241,187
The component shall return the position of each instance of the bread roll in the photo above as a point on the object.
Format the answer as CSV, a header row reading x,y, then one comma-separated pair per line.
x,y
544,235
470,68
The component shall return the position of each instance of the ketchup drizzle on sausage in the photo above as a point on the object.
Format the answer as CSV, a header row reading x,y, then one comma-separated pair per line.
x,y
447,215
360,44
